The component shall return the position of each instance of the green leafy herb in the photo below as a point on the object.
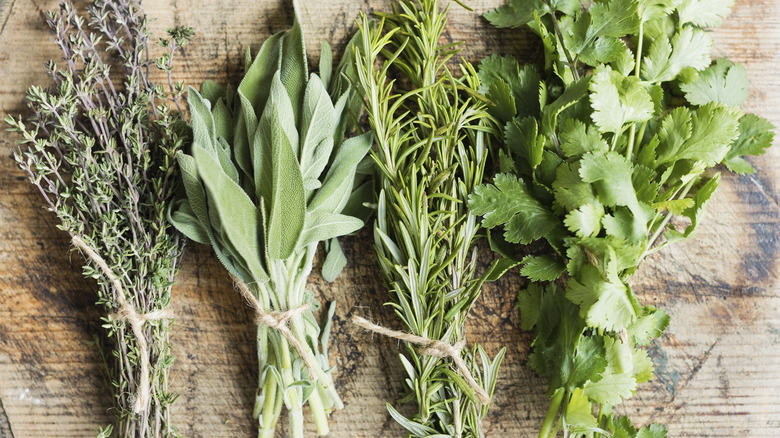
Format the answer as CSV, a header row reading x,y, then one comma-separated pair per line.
x,y
100,147
632,115
432,137
270,176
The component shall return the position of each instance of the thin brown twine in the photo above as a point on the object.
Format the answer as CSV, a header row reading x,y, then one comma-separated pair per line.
x,y
131,317
434,348
278,321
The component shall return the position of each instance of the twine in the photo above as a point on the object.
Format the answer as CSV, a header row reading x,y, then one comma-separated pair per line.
x,y
278,321
131,317
434,348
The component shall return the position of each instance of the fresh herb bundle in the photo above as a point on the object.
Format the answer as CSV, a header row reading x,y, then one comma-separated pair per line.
x,y
99,147
432,144
616,138
269,177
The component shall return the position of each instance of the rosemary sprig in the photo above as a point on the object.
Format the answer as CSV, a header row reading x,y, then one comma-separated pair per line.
x,y
432,139
269,177
100,150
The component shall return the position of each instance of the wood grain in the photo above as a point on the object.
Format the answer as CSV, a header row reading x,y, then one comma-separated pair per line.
x,y
717,365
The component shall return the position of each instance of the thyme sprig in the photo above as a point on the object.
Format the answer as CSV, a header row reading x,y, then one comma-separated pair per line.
x,y
99,146
432,138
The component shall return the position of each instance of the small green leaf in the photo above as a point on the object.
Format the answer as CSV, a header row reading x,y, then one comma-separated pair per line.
x,y
335,261
579,413
755,136
542,268
618,100
724,82
322,226
704,13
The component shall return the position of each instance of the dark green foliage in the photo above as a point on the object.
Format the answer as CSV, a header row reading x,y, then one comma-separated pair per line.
x,y
631,119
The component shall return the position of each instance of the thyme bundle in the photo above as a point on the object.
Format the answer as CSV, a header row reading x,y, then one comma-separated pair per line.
x,y
619,135
269,177
100,150
432,144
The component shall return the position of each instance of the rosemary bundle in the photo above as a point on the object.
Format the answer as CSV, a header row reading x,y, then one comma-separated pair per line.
x,y
269,176
432,144
610,155
100,147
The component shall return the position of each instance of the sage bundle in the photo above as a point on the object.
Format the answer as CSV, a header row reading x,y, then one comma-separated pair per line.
x,y
432,139
270,176
100,147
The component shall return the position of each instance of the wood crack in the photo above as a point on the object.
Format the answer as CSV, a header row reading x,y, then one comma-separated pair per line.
x,y
7,16
5,423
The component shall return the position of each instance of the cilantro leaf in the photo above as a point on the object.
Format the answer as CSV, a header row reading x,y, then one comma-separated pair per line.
x,y
542,268
648,326
579,413
520,12
578,139
704,13
529,303
652,9
508,202
617,100
570,190
724,82
615,18
586,220
521,136
603,303
665,60
755,136
652,431
713,128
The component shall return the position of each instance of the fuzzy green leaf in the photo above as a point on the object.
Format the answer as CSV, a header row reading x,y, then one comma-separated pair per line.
x,y
321,226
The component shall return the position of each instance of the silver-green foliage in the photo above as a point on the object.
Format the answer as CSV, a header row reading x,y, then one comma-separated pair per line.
x,y
432,141
99,146
269,176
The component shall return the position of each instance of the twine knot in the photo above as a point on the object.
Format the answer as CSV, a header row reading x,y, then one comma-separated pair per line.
x,y
433,348
127,314
279,322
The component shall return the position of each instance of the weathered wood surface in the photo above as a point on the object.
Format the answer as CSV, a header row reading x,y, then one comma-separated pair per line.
x,y
718,365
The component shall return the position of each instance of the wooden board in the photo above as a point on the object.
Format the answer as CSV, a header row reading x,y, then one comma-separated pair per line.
x,y
718,364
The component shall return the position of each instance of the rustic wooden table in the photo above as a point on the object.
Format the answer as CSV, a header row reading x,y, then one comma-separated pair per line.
x,y
718,365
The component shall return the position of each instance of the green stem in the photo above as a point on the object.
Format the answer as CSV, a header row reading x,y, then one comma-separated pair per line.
x,y
572,65
549,420
657,234
639,48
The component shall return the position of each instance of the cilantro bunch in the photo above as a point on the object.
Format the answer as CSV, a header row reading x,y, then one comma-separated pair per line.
x,y
619,133
432,136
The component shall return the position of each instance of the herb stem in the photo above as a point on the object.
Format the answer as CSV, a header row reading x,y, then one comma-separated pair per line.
x,y
552,413
572,65
632,134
